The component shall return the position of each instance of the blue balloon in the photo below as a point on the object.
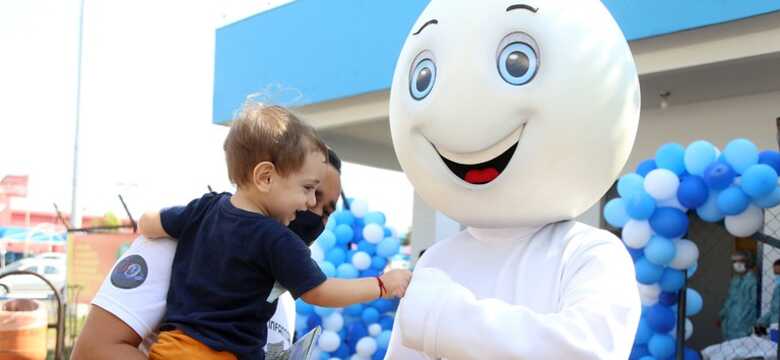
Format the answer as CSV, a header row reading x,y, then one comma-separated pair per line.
x,y
356,331
639,352
769,201
367,247
661,346
643,332
646,167
313,321
640,205
378,263
346,271
692,192
771,158
671,156
386,322
374,217
693,302
741,154
371,272
660,318
388,247
323,311
759,181
342,352
336,256
636,254
698,156
344,234
370,315
615,213
383,305
709,210
302,307
648,273
719,175
630,184
354,310
692,269
344,217
660,251
670,223
328,268
667,298
379,354
690,354
733,201
326,240
672,280
383,339
324,356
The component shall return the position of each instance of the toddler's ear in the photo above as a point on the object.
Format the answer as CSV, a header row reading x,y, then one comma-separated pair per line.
x,y
262,175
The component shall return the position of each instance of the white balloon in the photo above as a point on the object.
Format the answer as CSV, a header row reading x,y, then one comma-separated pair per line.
x,y
358,357
316,253
373,233
688,330
687,254
374,330
637,233
672,203
361,260
648,294
359,208
329,341
333,322
662,184
746,223
366,346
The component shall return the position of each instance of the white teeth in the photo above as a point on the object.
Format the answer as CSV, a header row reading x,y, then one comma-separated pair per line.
x,y
484,155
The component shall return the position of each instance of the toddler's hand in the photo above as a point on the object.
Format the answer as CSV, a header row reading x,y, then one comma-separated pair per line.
x,y
396,282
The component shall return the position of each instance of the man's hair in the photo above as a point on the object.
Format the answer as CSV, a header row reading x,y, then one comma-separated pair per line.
x,y
268,133
334,160
777,263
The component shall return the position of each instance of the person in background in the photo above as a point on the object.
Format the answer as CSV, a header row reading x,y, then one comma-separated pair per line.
x,y
738,314
772,315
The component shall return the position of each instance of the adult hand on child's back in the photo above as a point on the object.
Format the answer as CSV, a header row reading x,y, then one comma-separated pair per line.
x,y
396,282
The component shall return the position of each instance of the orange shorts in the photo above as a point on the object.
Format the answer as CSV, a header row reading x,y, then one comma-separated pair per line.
x,y
177,345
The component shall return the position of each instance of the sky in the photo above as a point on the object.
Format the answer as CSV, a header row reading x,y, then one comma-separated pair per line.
x,y
145,116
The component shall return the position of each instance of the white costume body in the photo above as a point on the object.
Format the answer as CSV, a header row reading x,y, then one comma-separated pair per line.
x,y
142,306
514,117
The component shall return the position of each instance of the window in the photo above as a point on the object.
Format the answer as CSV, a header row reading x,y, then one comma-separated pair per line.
x,y
31,268
50,270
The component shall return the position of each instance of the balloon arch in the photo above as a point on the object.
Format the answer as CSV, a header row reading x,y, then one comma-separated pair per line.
x,y
733,186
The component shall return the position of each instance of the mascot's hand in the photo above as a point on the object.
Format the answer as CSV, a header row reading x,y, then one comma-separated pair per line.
x,y
420,308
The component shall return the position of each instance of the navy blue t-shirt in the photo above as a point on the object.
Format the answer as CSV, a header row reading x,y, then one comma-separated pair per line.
x,y
226,264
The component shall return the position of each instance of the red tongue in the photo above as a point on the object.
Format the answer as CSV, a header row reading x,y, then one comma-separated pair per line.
x,y
481,176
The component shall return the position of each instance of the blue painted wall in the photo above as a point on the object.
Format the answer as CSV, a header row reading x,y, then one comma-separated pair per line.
x,y
331,49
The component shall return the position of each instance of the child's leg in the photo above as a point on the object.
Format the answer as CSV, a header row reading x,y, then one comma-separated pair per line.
x,y
177,345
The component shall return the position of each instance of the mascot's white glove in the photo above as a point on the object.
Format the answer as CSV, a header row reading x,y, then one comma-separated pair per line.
x,y
420,309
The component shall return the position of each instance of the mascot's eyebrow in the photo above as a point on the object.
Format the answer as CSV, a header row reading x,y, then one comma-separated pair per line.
x,y
522,6
430,22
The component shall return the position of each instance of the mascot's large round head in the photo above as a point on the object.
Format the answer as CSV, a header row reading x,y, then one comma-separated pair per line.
x,y
518,112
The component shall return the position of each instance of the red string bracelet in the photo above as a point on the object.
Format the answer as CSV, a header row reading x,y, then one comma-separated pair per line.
x,y
382,289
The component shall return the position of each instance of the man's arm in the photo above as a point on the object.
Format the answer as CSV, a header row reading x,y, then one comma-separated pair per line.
x,y
151,227
106,337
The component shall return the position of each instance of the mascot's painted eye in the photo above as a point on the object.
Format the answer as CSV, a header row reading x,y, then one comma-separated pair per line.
x,y
422,78
517,63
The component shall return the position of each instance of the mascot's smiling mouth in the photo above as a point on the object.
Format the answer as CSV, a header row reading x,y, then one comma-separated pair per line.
x,y
484,166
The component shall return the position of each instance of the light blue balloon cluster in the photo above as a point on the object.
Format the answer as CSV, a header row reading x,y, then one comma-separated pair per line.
x,y
733,186
355,243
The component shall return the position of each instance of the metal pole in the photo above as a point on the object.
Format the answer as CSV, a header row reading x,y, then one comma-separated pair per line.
x,y
75,213
681,318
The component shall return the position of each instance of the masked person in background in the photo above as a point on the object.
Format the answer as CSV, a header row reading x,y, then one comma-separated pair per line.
x,y
773,314
738,314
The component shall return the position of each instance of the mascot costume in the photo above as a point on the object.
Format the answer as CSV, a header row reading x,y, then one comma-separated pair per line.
x,y
513,118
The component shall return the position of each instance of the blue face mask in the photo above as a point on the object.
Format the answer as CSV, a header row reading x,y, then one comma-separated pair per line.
x,y
777,280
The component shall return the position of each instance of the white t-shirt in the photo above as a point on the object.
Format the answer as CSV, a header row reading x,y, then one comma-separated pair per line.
x,y
136,290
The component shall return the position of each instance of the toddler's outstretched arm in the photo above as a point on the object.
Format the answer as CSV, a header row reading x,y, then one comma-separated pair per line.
x,y
341,292
151,227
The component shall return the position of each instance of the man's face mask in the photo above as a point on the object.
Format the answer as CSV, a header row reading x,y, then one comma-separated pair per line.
x,y
307,225
739,266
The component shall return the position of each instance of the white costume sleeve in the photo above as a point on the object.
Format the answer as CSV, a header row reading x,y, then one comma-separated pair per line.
x,y
598,316
136,289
